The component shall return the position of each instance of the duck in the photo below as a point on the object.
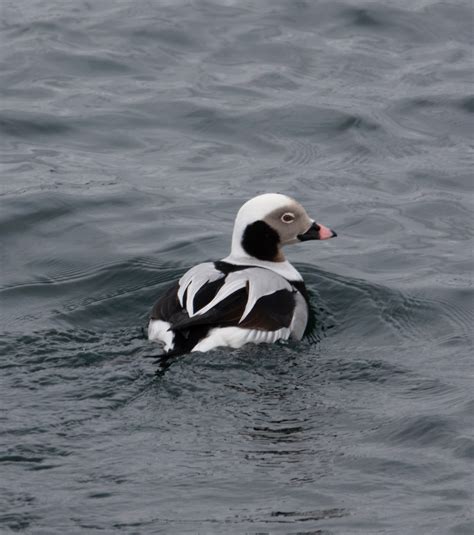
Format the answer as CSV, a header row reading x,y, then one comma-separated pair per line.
x,y
254,295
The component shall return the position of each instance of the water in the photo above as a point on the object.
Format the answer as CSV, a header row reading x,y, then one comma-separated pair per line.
x,y
131,133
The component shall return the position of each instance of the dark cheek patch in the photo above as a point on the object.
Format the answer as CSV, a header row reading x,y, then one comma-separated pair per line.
x,y
261,241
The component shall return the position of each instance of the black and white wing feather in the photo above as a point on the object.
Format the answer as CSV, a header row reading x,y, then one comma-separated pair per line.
x,y
251,298
193,281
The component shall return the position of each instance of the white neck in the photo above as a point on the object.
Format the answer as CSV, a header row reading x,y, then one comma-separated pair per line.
x,y
285,269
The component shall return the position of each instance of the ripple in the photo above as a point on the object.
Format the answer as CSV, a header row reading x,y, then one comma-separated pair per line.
x,y
18,521
274,80
291,516
464,447
378,310
438,117
421,431
88,65
27,125
466,104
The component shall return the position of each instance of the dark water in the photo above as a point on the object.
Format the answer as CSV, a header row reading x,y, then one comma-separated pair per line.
x,y
131,132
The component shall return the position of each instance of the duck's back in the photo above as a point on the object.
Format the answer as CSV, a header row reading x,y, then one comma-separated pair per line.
x,y
222,304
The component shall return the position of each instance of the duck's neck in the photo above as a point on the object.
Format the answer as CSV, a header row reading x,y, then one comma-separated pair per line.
x,y
283,268
257,244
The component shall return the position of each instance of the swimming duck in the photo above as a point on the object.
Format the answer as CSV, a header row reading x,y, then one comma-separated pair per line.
x,y
254,295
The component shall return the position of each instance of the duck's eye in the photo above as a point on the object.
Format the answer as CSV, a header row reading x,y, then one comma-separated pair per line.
x,y
288,217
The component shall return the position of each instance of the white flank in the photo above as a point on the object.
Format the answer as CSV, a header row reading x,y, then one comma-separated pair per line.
x,y
237,337
300,317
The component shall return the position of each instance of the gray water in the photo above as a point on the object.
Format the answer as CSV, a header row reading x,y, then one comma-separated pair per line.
x,y
131,133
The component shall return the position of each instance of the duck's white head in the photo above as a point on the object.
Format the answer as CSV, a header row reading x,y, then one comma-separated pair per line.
x,y
267,222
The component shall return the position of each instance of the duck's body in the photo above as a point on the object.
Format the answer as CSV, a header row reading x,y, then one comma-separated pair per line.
x,y
253,295
221,303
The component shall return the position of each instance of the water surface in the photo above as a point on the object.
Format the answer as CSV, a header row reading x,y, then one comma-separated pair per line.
x,y
131,134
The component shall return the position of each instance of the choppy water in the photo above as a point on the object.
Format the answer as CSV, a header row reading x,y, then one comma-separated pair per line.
x,y
131,133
